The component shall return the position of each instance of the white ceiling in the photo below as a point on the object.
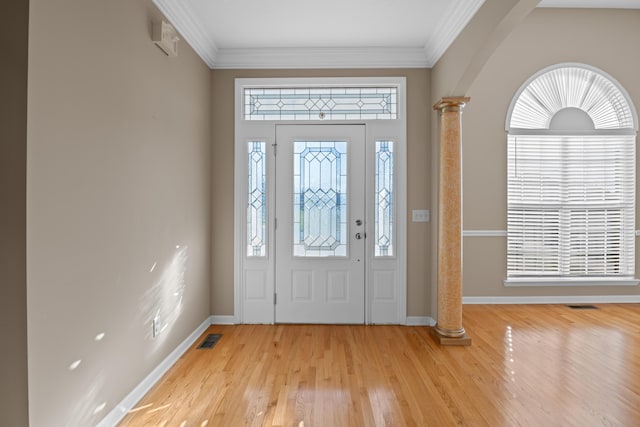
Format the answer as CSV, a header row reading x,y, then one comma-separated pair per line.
x,y
329,33
324,34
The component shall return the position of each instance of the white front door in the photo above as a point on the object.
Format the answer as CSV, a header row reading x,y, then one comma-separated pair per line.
x,y
320,234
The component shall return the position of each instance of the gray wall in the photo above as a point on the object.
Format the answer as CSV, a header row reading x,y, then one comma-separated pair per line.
x,y
118,177
14,36
606,39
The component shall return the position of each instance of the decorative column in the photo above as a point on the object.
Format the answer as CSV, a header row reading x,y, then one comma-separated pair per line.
x,y
448,329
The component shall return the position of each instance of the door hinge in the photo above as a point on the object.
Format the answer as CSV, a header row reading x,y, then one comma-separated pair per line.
x,y
275,223
275,298
275,149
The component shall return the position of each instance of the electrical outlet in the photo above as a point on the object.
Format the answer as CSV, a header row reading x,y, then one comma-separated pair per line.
x,y
155,324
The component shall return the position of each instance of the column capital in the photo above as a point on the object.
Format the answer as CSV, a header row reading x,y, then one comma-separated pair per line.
x,y
451,103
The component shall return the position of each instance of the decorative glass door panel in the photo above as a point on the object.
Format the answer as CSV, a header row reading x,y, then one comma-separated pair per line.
x,y
320,211
320,194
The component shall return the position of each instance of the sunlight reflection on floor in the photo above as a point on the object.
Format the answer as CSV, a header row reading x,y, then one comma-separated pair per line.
x,y
565,362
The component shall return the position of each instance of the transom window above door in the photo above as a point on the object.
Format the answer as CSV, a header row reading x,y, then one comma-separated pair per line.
x,y
321,103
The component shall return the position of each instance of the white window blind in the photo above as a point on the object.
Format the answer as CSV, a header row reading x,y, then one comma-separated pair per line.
x,y
571,205
571,176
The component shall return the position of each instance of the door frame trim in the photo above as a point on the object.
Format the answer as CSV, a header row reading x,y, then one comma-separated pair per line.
x,y
395,130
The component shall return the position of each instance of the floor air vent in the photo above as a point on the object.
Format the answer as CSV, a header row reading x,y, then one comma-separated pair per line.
x,y
210,341
582,307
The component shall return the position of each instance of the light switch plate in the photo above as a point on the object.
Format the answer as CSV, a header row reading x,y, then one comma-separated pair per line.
x,y
420,215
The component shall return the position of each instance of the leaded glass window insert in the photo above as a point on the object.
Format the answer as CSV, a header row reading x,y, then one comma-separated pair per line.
x,y
320,198
257,199
383,244
321,103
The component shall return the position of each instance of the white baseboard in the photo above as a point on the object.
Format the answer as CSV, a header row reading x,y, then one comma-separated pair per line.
x,y
223,320
420,321
602,299
117,414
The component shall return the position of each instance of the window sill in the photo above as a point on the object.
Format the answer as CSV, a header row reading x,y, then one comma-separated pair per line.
x,y
570,281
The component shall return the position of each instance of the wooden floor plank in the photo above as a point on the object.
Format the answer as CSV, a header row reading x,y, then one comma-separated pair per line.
x,y
542,365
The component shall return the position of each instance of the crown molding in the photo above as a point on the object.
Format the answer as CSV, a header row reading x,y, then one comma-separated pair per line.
x,y
451,25
297,58
189,28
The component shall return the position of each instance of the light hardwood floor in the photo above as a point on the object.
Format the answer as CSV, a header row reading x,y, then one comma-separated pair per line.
x,y
540,365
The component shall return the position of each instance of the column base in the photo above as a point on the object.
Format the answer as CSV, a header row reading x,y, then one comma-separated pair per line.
x,y
464,340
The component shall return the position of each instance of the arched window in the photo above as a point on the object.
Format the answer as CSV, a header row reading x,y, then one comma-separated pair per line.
x,y
571,177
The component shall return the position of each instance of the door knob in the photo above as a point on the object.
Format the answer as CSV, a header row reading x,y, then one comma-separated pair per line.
x,y
358,236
